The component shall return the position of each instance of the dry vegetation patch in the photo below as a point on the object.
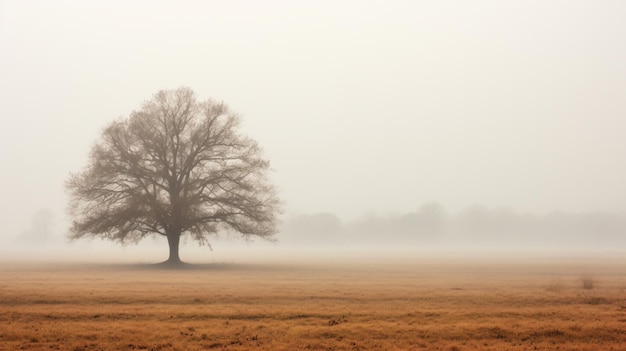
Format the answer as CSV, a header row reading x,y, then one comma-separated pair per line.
x,y
418,306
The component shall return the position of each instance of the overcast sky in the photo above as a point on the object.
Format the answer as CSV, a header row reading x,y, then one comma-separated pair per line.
x,y
360,105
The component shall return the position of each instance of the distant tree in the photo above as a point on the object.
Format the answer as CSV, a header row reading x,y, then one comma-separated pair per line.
x,y
176,167
41,230
425,224
473,224
433,217
320,228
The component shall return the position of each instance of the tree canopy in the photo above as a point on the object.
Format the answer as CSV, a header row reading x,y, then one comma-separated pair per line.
x,y
176,167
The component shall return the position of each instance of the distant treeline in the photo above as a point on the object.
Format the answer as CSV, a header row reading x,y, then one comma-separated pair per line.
x,y
474,226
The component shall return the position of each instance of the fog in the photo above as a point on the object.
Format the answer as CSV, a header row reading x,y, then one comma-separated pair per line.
x,y
447,125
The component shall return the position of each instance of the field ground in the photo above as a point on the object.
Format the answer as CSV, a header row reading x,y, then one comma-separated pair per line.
x,y
408,305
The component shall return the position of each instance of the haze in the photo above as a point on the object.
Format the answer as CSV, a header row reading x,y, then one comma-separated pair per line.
x,y
362,107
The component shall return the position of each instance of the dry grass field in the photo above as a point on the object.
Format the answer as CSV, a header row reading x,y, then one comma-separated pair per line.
x,y
411,305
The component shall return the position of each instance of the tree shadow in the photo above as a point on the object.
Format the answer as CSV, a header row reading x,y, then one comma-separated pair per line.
x,y
139,267
214,266
184,266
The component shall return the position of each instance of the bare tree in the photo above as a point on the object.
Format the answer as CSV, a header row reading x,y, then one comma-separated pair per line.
x,y
176,167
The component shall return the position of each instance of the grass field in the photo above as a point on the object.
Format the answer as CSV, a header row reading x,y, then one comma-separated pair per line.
x,y
379,305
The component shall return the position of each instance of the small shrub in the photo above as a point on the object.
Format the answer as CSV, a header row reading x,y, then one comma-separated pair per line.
x,y
555,286
587,283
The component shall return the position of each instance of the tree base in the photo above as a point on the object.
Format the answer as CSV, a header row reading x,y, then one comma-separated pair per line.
x,y
173,264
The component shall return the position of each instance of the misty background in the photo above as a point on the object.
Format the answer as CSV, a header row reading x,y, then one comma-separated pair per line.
x,y
403,123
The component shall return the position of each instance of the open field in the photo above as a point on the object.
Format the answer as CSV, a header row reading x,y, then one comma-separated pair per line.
x,y
410,305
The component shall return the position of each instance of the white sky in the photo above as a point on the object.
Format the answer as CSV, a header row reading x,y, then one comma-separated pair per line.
x,y
360,105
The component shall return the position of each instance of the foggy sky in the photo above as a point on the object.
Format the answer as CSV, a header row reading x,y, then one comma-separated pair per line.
x,y
360,106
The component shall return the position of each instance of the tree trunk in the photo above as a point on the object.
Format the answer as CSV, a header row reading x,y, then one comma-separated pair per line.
x,y
173,240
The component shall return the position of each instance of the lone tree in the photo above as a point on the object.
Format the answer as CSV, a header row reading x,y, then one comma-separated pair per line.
x,y
176,167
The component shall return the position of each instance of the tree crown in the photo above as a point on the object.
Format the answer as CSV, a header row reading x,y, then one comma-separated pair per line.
x,y
177,166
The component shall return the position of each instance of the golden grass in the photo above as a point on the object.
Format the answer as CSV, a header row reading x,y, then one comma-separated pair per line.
x,y
413,306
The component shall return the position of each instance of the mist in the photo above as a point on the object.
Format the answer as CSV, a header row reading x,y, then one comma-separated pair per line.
x,y
428,233
368,112
475,227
